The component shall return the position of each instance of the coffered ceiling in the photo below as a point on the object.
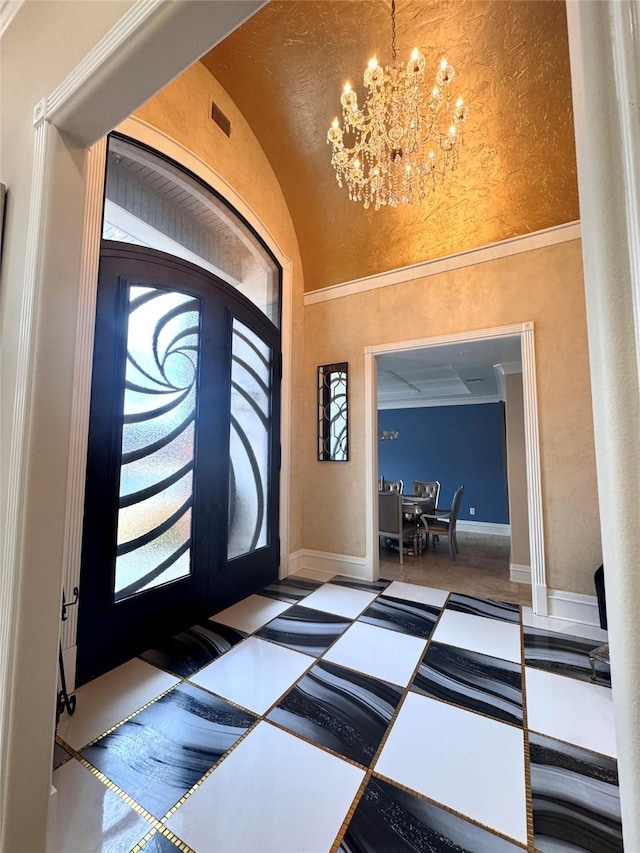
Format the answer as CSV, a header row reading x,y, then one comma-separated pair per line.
x,y
448,375
285,68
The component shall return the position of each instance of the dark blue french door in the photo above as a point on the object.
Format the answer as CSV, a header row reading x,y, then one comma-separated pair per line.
x,y
182,491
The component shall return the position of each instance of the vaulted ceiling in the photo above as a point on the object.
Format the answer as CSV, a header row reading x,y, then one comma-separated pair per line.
x,y
285,68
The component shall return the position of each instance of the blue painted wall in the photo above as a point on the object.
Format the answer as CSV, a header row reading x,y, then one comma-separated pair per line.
x,y
458,445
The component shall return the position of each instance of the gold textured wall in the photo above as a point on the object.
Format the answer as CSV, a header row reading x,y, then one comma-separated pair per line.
x,y
545,286
285,68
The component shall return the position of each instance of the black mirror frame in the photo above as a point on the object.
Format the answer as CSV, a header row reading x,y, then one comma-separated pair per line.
x,y
333,414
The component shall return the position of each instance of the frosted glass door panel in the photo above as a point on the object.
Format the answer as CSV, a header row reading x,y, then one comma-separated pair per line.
x,y
250,436
156,473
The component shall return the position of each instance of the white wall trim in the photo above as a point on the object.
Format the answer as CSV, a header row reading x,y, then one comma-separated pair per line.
x,y
604,47
503,249
625,20
519,574
8,11
456,337
372,544
323,561
484,528
534,475
10,570
532,445
82,369
573,607
442,401
130,23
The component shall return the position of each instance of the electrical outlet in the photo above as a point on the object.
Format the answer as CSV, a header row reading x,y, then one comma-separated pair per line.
x,y
472,510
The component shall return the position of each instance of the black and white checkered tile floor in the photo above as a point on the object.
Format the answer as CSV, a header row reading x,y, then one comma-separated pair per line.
x,y
346,716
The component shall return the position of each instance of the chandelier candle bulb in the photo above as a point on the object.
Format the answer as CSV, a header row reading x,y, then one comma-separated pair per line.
x,y
385,152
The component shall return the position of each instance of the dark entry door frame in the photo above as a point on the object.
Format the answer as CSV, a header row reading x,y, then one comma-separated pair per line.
x,y
111,630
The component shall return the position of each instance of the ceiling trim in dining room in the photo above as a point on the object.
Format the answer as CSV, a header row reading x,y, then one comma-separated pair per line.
x,y
503,249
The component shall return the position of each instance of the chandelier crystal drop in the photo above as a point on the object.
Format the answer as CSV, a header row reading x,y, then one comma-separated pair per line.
x,y
403,142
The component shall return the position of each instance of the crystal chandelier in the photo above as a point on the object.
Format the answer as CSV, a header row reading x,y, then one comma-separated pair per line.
x,y
402,142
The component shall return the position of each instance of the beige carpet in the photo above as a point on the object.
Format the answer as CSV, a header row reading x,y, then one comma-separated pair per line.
x,y
481,568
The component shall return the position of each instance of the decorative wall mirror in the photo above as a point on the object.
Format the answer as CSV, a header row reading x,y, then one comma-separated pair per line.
x,y
333,443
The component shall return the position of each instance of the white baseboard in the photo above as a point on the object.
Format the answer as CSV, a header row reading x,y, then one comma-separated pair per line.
x,y
323,561
519,574
486,527
573,607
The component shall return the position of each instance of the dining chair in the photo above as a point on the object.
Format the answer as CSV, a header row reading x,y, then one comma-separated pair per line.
x,y
427,489
393,486
391,522
443,523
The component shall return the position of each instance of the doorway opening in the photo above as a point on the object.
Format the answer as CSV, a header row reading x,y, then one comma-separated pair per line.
x,y
522,336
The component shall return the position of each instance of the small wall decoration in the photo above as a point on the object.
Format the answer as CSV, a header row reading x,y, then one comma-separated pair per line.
x,y
333,445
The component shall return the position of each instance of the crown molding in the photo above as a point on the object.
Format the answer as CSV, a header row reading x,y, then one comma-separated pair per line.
x,y
503,249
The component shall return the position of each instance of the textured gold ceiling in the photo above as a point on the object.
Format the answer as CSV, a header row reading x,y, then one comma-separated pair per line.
x,y
285,68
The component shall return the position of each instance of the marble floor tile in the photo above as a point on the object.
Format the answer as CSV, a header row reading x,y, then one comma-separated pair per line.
x,y
398,614
362,666
576,801
90,814
340,600
158,755
563,626
484,607
390,819
251,613
292,589
383,654
493,637
60,755
254,674
574,711
345,711
273,794
305,630
469,763
355,583
478,682
159,843
563,654
190,650
106,701
415,592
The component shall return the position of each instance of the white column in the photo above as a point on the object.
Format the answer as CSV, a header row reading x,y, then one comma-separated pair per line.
x,y
605,69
